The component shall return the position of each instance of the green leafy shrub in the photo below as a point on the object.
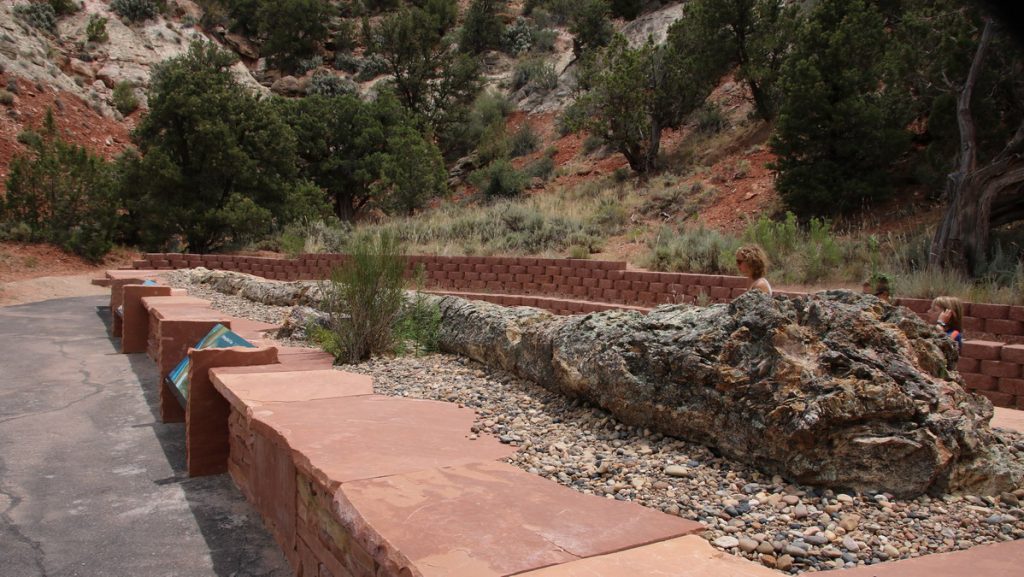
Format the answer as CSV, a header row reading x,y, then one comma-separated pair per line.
x,y
559,11
63,194
96,29
523,141
314,236
418,328
493,144
304,65
628,9
518,38
810,255
364,298
592,143
580,252
610,216
540,168
544,40
535,75
124,98
481,127
327,84
15,231
571,119
371,67
482,28
692,250
499,180
346,62
135,10
776,238
293,31
30,138
345,37
245,220
64,7
412,172
39,15
710,119
590,26
6,98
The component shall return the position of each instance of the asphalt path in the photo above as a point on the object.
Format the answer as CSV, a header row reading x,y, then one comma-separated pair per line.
x,y
91,483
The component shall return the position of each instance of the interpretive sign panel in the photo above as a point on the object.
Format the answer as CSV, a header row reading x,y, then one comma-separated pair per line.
x,y
219,337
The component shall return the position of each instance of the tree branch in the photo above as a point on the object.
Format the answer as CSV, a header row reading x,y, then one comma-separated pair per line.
x,y
965,121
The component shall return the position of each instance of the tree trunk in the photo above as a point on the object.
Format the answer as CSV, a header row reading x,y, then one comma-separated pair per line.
x,y
962,235
988,197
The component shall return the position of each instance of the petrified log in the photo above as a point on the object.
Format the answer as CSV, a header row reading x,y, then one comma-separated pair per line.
x,y
258,289
835,389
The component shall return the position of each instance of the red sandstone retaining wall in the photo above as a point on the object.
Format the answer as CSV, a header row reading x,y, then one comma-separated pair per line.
x,y
572,286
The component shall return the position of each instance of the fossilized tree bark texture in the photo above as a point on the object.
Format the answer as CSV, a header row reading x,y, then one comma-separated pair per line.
x,y
834,389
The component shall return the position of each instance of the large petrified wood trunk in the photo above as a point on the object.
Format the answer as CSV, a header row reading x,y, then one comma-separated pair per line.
x,y
834,389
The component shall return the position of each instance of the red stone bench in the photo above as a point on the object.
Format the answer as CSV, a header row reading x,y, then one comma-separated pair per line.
x,y
131,319
139,275
206,411
174,326
261,466
117,280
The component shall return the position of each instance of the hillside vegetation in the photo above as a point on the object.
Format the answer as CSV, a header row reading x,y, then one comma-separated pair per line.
x,y
663,134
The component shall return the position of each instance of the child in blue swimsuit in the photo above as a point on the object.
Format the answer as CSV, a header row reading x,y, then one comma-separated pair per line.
x,y
948,314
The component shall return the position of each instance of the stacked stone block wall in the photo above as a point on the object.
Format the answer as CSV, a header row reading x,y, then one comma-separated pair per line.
x,y
573,286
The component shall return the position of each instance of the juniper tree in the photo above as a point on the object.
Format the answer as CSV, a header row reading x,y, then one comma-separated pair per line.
x,y
835,135
633,94
217,163
751,34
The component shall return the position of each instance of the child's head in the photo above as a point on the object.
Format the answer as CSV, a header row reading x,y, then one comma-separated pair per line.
x,y
755,259
952,304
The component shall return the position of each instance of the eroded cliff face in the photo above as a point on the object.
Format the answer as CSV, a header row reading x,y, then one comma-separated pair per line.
x,y
834,389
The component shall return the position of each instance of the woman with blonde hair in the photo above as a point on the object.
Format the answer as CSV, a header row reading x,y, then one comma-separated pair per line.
x,y
752,262
949,317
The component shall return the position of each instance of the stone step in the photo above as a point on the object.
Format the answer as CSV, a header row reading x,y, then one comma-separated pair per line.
x,y
255,386
1010,419
999,560
690,556
489,519
339,440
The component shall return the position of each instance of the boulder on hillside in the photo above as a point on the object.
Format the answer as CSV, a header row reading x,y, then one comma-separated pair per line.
x,y
242,45
835,389
113,73
288,86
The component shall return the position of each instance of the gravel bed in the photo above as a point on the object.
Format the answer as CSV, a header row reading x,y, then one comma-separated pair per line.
x,y
781,525
234,305
231,304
